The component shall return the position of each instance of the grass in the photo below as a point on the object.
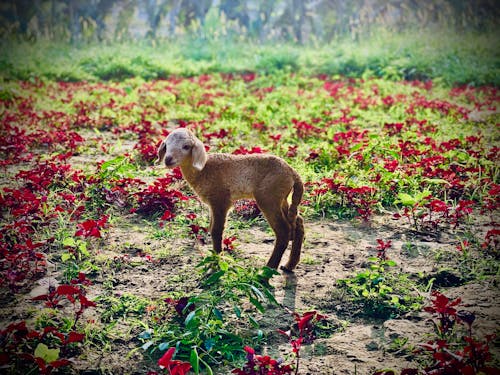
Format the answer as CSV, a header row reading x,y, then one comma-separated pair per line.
x,y
450,57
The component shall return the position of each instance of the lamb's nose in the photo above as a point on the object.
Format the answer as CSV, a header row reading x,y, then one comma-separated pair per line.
x,y
168,160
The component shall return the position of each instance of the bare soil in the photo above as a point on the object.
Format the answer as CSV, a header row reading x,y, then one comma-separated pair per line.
x,y
333,250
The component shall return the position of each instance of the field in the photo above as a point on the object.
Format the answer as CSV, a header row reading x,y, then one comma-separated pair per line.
x,y
106,262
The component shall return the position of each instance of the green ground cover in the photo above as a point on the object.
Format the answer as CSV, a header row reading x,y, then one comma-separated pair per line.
x,y
105,257
421,54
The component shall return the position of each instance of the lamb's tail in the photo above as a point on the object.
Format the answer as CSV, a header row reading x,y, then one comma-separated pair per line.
x,y
296,223
298,191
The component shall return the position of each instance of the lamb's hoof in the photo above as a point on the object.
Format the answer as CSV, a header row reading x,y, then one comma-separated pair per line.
x,y
286,270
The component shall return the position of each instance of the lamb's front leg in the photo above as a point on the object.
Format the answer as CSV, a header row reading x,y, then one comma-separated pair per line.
x,y
218,214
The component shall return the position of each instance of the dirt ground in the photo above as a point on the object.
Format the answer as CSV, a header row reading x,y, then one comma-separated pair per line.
x,y
336,250
332,250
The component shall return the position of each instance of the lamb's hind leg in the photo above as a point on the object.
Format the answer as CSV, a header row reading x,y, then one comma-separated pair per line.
x,y
284,209
298,238
273,212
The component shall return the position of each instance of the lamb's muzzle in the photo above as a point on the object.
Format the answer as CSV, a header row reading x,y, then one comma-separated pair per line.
x,y
220,179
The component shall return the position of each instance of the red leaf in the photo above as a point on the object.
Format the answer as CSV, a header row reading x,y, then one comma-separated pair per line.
x,y
164,361
180,369
4,359
167,215
42,297
60,363
249,350
305,319
285,333
75,337
468,370
65,290
84,302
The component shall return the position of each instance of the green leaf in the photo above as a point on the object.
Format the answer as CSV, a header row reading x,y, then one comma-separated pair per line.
x,y
237,311
218,314
257,292
146,345
48,355
268,272
260,334
190,319
395,300
253,321
390,263
270,297
213,278
257,304
208,369
435,181
146,334
194,359
112,163
406,199
82,248
224,266
209,344
69,241
164,346
66,256
356,147
422,195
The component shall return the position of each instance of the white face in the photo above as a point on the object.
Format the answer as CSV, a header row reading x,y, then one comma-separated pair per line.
x,y
179,144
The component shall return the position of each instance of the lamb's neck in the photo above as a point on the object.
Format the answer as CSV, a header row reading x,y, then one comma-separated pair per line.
x,y
189,173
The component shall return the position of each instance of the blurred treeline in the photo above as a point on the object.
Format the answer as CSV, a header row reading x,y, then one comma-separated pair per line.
x,y
259,20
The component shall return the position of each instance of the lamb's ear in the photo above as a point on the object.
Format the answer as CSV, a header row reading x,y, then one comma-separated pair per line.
x,y
161,151
199,155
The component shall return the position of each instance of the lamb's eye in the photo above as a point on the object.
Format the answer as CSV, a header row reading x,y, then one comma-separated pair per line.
x,y
186,147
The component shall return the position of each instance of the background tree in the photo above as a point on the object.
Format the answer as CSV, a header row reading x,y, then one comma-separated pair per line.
x,y
295,20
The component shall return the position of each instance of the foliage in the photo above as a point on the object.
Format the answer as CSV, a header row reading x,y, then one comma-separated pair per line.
x,y
174,367
50,347
438,54
259,364
203,326
381,290
77,172
451,350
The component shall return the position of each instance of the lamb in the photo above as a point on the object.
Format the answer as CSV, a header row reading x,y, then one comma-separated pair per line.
x,y
220,179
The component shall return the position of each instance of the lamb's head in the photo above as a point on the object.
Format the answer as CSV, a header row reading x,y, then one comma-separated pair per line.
x,y
182,146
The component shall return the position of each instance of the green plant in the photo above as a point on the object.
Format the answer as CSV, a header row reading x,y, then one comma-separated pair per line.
x,y
206,327
381,290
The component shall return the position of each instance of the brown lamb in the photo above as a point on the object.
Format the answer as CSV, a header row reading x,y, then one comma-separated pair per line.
x,y
220,179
